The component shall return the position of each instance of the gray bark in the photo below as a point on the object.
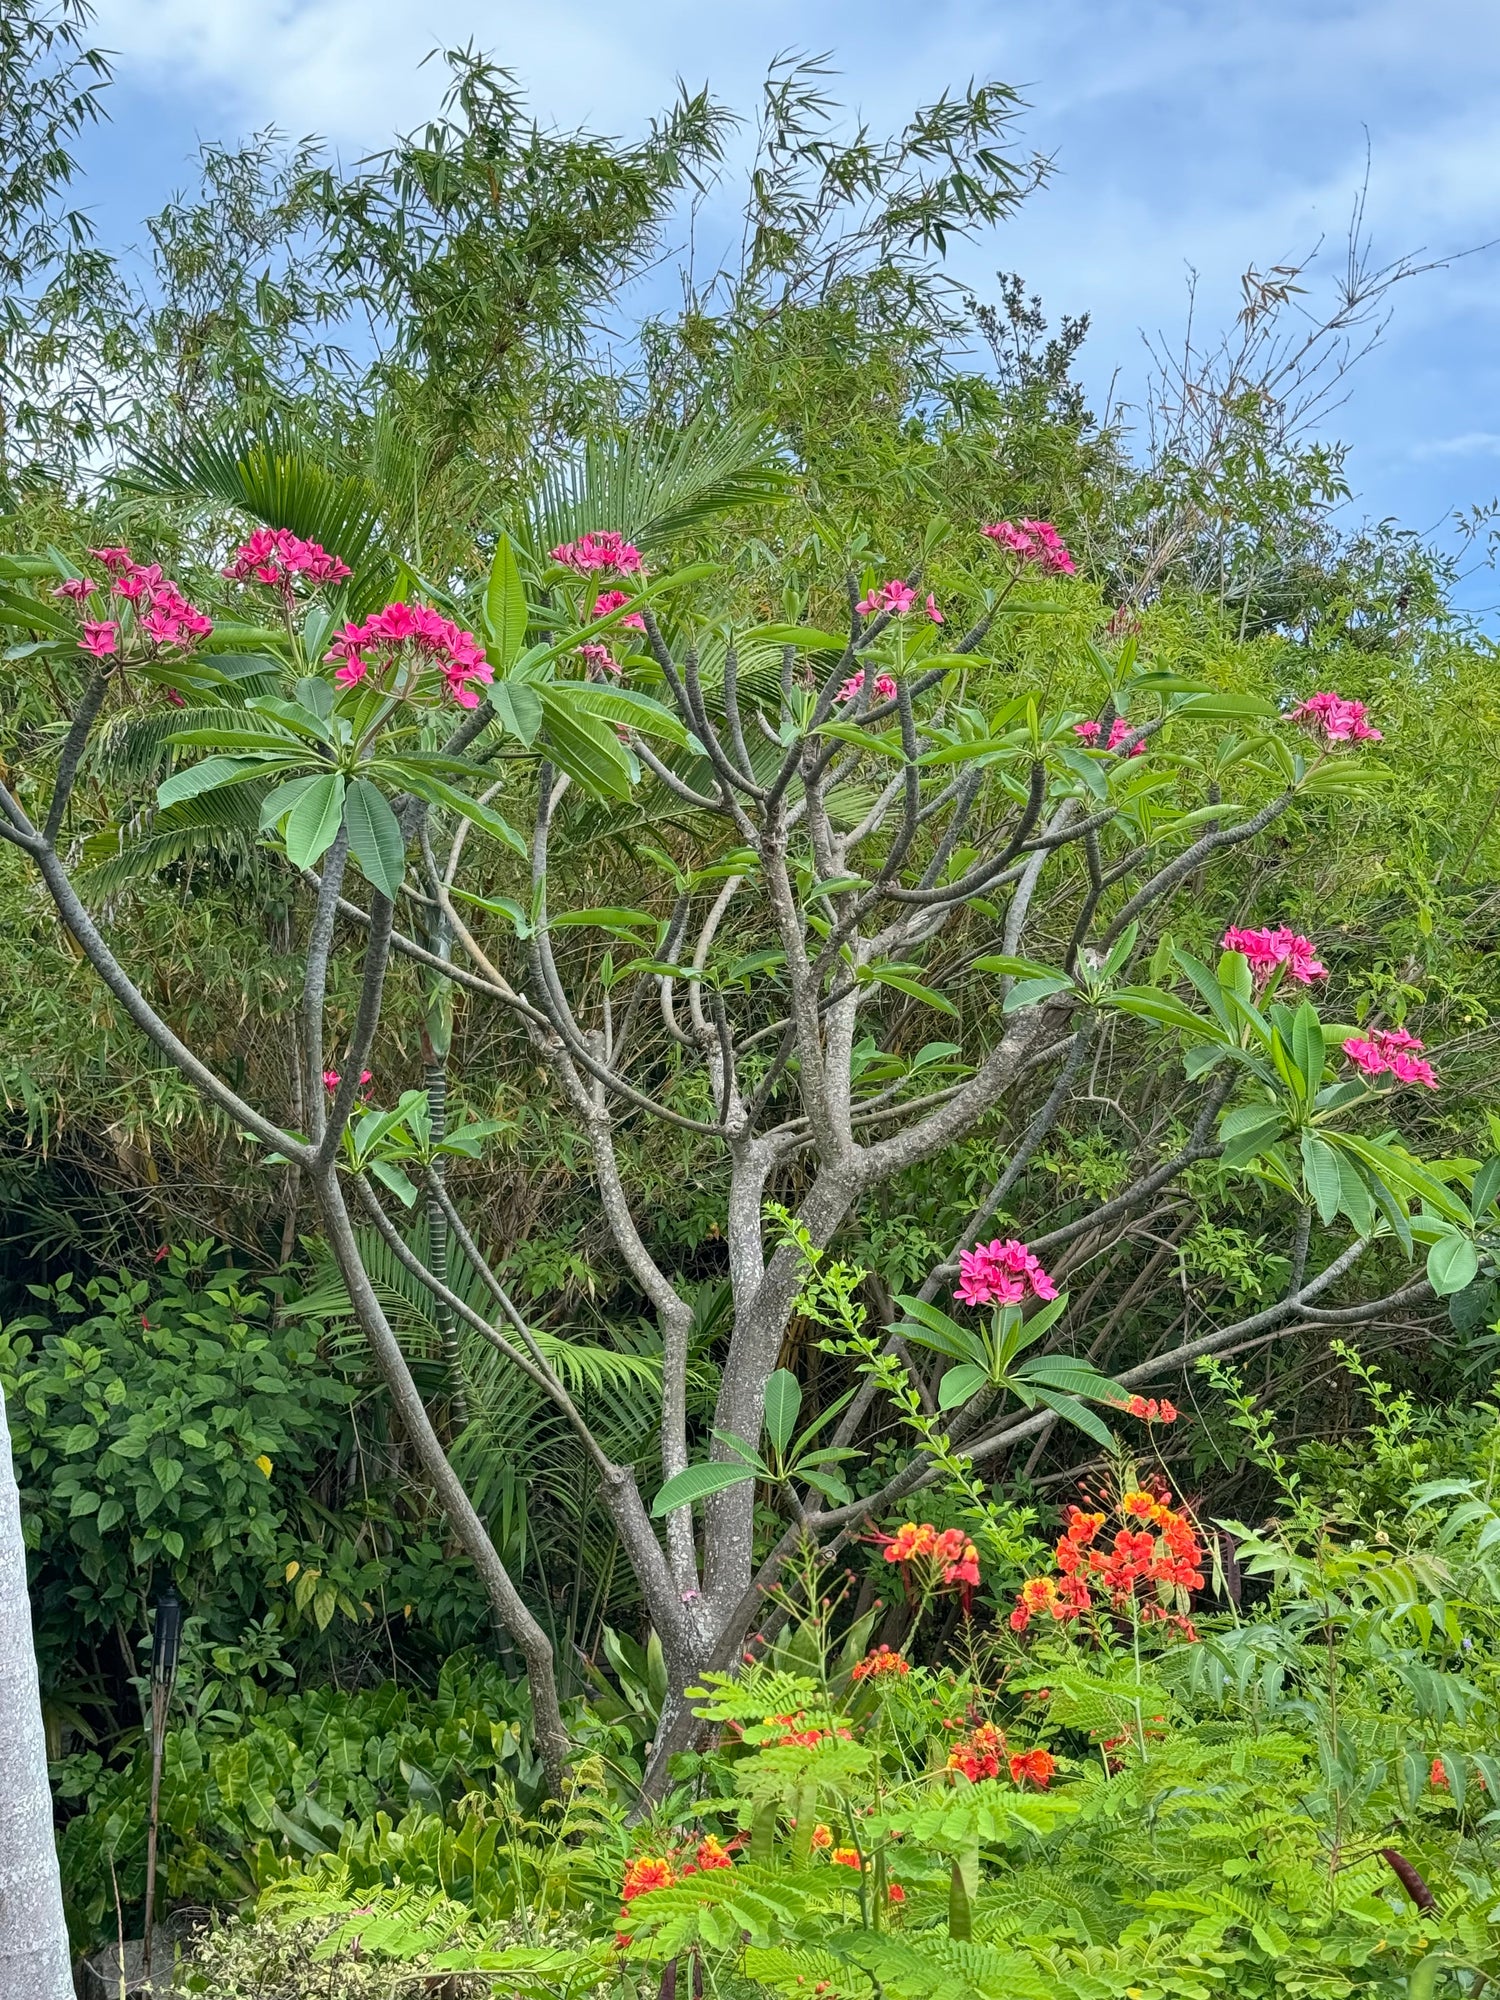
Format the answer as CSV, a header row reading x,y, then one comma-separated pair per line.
x,y
34,1958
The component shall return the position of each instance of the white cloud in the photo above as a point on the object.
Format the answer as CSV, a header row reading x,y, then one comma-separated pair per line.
x,y
1467,444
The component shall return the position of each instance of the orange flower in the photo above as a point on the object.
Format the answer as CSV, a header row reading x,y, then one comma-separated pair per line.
x,y
978,1755
712,1853
645,1873
895,1893
822,1836
913,1539
881,1661
845,1857
1142,1505
1032,1766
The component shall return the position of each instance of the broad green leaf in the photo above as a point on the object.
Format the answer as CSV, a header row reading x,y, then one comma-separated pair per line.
x,y
783,1405
505,606
913,988
959,1384
314,821
1320,1175
803,637
1079,1415
1307,1045
697,1483
586,748
375,837
626,706
1486,1186
519,708
1027,992
1015,968
1452,1263
210,774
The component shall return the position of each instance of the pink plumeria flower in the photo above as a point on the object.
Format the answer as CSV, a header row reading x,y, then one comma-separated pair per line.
x,y
611,600
1033,542
76,587
1119,729
1335,720
1001,1273
885,687
1269,952
932,609
101,637
606,549
1391,1052
896,597
419,636
1087,730
276,556
599,660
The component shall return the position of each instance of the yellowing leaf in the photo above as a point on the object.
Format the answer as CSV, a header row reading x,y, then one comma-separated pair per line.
x,y
265,1464
291,1570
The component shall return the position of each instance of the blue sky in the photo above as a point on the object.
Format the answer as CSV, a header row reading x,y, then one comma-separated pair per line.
x,y
1203,137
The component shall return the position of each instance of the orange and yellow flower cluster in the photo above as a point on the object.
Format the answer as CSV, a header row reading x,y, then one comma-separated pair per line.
x,y
1154,1545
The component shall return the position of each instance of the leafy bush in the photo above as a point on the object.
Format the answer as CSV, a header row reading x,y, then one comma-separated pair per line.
x,y
164,1428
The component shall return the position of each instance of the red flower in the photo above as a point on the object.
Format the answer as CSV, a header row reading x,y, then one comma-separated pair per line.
x,y
645,1873
881,1661
1033,1767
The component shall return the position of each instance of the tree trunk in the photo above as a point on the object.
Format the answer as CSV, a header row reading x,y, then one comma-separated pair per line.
x,y
34,1956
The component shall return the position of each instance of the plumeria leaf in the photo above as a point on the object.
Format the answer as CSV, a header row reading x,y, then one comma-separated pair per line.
x,y
1452,1263
1078,1414
209,775
959,1384
519,707
375,838
1486,1186
1076,1378
313,823
783,1406
1320,1175
277,803
1027,992
505,613
391,1176
697,1483
929,1326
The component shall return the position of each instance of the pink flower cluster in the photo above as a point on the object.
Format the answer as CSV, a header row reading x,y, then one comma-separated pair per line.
x,y
898,598
885,687
611,600
161,614
276,556
1272,951
416,632
332,1079
599,660
1034,542
1119,729
1001,1274
1391,1052
1335,720
605,550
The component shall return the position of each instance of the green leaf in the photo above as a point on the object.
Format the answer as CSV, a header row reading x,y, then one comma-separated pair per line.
x,y
586,748
210,774
1307,1045
484,817
519,708
959,1384
1320,1175
1452,1263
1079,1415
1076,1378
314,821
1015,968
930,1326
883,975
783,1405
375,838
1027,992
280,800
505,611
697,1483
803,637
627,706
391,1176
1486,1186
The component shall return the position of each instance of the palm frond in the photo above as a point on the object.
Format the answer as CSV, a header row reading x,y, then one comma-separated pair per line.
x,y
280,477
220,824
656,483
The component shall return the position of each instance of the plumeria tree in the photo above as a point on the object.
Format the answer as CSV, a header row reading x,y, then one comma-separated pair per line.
x,y
832,833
